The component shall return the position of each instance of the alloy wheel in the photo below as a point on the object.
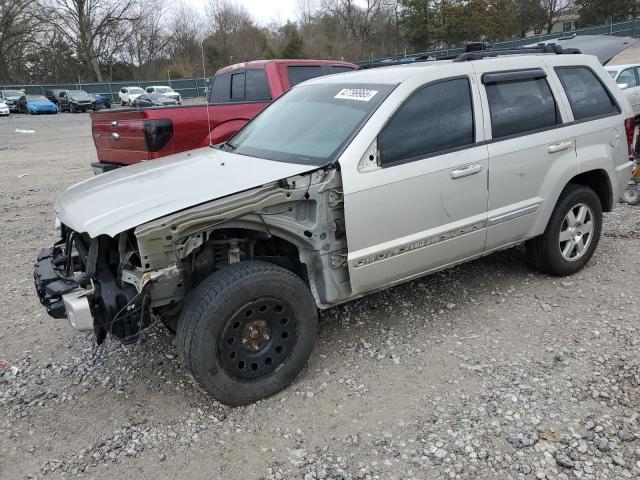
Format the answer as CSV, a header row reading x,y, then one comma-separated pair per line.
x,y
576,232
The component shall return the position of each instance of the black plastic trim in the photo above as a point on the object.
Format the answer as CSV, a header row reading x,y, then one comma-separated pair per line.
x,y
513,75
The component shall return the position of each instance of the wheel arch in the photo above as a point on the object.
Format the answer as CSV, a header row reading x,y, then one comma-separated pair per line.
x,y
599,181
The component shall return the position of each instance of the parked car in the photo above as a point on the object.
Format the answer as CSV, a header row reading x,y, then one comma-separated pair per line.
x,y
164,90
347,185
11,97
628,79
239,93
129,94
53,94
153,100
102,101
33,104
4,109
76,101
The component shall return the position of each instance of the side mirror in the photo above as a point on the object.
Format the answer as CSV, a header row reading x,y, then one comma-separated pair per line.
x,y
623,86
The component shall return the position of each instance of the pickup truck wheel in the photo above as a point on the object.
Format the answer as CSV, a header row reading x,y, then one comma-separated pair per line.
x,y
247,331
572,234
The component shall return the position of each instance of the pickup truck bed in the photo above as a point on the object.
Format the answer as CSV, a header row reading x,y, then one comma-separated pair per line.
x,y
238,93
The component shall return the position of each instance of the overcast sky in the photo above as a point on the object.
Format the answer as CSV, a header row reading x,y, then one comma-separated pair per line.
x,y
264,11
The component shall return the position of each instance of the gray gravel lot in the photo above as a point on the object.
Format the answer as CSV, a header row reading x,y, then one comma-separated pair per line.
x,y
486,371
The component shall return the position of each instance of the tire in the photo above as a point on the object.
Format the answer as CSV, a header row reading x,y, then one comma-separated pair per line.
x,y
122,104
72,109
235,351
562,256
631,195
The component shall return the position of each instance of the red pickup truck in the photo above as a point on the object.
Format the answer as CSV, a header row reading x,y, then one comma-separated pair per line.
x,y
238,93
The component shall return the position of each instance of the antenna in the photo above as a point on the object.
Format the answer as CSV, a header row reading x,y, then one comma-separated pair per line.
x,y
206,97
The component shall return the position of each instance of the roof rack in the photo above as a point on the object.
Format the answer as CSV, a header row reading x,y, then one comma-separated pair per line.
x,y
480,54
541,48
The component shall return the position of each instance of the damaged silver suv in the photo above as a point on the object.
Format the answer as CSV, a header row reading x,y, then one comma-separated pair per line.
x,y
346,185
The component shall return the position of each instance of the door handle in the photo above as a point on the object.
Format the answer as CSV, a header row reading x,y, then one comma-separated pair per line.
x,y
558,147
115,136
466,171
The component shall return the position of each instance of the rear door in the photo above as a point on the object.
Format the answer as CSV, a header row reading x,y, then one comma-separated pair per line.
x,y
628,78
427,206
530,142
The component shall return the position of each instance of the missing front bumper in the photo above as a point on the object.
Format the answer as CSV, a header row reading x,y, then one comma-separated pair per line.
x,y
61,296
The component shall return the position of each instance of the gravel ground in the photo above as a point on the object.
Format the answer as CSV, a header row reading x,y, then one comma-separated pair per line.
x,y
486,371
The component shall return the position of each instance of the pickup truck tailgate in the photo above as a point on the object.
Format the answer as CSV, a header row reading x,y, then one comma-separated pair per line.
x,y
120,137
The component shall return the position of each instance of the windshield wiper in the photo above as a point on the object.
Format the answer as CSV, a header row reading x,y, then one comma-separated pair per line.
x,y
230,145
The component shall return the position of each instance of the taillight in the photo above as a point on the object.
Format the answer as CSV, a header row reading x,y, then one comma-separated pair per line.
x,y
630,128
157,133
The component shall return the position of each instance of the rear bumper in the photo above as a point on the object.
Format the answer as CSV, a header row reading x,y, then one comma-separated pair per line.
x,y
101,167
61,296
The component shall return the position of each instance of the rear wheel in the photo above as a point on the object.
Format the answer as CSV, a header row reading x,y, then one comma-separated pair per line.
x,y
631,195
572,234
247,331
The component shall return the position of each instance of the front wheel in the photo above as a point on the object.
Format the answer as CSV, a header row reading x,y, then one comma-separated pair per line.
x,y
572,234
247,331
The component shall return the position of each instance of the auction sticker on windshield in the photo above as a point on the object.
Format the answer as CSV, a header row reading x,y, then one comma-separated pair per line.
x,y
360,94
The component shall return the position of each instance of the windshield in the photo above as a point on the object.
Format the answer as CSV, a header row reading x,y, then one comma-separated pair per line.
x,y
12,93
37,98
136,90
164,90
311,123
78,93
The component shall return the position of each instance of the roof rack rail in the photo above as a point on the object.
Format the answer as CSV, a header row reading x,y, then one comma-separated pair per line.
x,y
541,48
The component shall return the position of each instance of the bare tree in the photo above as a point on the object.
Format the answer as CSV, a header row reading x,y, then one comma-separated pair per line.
x,y
15,34
97,29
553,9
148,46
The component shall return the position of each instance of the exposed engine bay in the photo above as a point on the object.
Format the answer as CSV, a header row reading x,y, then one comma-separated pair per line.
x,y
119,285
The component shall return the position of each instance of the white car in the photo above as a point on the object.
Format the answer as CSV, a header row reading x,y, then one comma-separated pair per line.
x,y
165,90
4,109
129,94
346,185
628,79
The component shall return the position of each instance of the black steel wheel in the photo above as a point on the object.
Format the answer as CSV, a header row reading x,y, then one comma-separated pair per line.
x,y
247,331
258,338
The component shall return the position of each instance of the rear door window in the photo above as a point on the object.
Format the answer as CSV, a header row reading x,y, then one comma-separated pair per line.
x,y
237,87
339,69
587,95
299,74
629,77
520,106
221,89
436,118
257,86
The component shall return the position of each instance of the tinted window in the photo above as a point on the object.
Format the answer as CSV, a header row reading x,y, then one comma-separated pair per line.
x,y
257,87
437,117
300,74
221,90
521,106
627,76
237,86
587,96
339,69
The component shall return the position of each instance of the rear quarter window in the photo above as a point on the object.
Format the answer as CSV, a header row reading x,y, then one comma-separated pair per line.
x,y
587,95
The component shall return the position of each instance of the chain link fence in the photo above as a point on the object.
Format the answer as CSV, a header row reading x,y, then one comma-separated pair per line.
x,y
629,28
188,87
195,86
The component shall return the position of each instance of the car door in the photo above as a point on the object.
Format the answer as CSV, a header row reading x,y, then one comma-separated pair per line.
x,y
425,205
628,81
531,143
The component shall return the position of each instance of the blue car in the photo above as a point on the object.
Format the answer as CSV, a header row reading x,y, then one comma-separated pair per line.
x,y
36,104
102,101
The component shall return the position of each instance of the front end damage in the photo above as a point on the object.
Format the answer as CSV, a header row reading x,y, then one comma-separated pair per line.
x,y
119,284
